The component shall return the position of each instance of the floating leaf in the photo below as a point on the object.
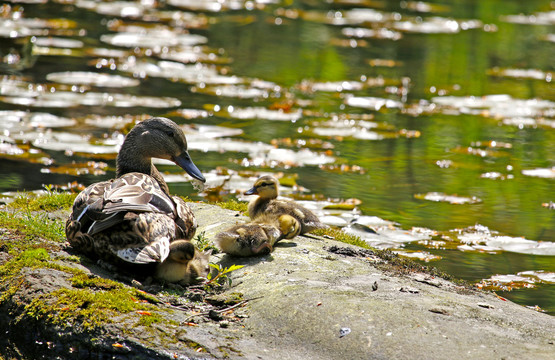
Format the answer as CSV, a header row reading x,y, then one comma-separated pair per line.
x,y
331,86
548,173
113,122
436,25
419,255
522,74
63,99
494,175
236,91
191,113
478,151
373,103
480,238
88,168
261,113
57,42
207,5
92,78
23,153
380,33
495,106
285,157
539,18
452,199
152,39
14,120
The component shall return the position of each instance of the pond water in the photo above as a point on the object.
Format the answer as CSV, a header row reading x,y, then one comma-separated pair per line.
x,y
438,118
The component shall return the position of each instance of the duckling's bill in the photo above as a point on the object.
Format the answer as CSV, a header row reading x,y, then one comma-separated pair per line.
x,y
252,191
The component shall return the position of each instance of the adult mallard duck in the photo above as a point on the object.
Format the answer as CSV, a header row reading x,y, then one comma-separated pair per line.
x,y
133,217
258,236
266,187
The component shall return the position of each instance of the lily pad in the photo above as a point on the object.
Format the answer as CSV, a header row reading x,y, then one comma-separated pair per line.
x,y
204,5
193,74
380,33
331,86
58,42
63,99
12,151
522,74
436,25
71,143
236,91
152,39
481,238
92,78
547,173
539,18
261,113
418,255
373,103
112,122
88,168
495,106
14,120
452,199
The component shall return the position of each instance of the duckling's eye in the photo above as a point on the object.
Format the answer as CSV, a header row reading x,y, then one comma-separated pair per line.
x,y
169,133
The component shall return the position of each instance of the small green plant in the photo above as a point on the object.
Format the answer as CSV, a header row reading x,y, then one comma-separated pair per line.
x,y
221,277
202,243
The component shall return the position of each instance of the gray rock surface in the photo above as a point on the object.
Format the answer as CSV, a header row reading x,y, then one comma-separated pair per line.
x,y
306,300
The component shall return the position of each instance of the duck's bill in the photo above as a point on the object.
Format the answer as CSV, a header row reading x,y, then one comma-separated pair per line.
x,y
251,191
185,162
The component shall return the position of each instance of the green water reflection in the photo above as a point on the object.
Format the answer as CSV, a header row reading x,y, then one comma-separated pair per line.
x,y
395,169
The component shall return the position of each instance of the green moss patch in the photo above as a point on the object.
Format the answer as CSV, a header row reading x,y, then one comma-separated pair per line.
x,y
342,236
32,226
91,303
234,205
49,202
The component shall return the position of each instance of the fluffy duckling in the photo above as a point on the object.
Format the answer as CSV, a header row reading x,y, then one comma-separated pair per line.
x,y
289,227
133,218
257,237
184,265
266,187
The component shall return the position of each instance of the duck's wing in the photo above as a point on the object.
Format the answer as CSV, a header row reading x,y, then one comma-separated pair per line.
x,y
84,205
185,219
156,251
132,192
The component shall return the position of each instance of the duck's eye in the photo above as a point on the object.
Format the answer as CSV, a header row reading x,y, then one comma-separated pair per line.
x,y
169,133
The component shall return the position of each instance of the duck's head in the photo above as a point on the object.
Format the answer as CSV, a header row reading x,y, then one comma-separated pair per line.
x,y
266,187
155,138
289,226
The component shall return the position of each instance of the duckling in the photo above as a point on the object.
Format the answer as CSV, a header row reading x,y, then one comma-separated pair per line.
x,y
133,218
266,187
288,226
184,265
257,237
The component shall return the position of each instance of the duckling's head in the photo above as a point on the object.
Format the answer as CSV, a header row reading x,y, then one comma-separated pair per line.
x,y
266,187
181,251
155,138
198,268
289,226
